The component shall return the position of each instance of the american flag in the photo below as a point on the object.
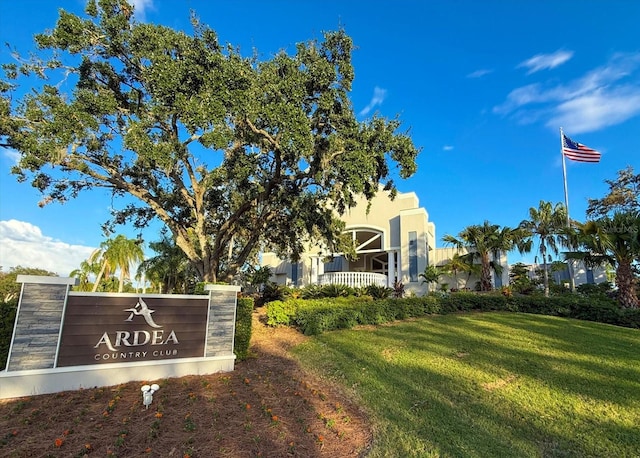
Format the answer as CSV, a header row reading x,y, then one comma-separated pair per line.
x,y
578,152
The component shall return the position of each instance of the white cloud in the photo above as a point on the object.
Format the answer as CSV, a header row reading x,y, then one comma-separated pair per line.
x,y
518,97
604,96
597,110
479,73
23,244
447,148
546,61
12,155
140,8
379,95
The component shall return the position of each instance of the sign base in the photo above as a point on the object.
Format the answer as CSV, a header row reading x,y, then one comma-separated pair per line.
x,y
17,384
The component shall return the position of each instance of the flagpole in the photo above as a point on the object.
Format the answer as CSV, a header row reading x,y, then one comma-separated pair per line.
x,y
566,205
564,177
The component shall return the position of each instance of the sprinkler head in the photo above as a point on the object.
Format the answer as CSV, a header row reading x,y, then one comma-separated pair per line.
x,y
147,394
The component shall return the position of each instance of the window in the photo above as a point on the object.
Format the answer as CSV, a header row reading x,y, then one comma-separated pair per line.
x,y
413,256
498,279
335,265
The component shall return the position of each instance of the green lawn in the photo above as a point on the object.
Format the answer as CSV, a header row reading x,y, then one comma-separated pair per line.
x,y
491,385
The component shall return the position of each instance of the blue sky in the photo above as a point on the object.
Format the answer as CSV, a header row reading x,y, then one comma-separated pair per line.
x,y
483,88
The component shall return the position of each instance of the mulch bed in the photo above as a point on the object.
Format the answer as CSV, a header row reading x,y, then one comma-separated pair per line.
x,y
268,407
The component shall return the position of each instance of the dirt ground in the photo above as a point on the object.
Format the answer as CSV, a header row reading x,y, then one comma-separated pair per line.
x,y
267,407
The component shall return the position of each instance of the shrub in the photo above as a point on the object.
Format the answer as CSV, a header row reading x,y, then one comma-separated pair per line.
x,y
506,291
199,287
559,289
337,291
319,315
378,291
466,301
592,290
630,318
600,309
281,312
432,304
242,337
316,320
398,289
539,304
272,292
7,320
408,308
312,292
376,313
315,317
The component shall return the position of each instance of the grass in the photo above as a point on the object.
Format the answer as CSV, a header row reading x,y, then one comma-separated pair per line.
x,y
490,384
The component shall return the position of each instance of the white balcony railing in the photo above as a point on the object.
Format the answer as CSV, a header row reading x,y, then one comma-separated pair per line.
x,y
352,279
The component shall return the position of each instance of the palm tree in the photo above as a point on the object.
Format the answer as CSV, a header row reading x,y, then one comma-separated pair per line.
x,y
98,257
430,275
612,240
84,274
170,269
520,279
126,252
258,277
117,254
556,267
484,242
546,223
458,263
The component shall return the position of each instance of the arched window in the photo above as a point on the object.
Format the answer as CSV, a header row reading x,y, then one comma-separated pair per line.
x,y
367,240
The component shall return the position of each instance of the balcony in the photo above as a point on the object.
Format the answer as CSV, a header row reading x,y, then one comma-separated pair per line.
x,y
352,279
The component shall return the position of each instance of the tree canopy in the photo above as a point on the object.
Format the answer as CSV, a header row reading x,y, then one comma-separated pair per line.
x,y
231,153
169,271
10,289
624,195
612,240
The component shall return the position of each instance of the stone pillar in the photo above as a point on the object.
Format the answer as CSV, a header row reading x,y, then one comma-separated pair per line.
x,y
38,322
222,319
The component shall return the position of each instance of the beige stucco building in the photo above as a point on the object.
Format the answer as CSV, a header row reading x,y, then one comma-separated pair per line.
x,y
582,274
395,241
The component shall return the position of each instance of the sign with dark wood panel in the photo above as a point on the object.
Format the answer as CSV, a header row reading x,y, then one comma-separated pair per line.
x,y
100,329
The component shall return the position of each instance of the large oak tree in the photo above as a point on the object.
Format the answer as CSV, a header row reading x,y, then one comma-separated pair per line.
x,y
623,196
229,152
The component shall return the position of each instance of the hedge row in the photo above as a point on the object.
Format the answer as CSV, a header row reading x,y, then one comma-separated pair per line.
x,y
7,318
242,336
316,316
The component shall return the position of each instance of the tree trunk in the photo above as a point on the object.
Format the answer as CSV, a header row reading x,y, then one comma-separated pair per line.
x,y
209,269
624,279
99,277
485,275
545,274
